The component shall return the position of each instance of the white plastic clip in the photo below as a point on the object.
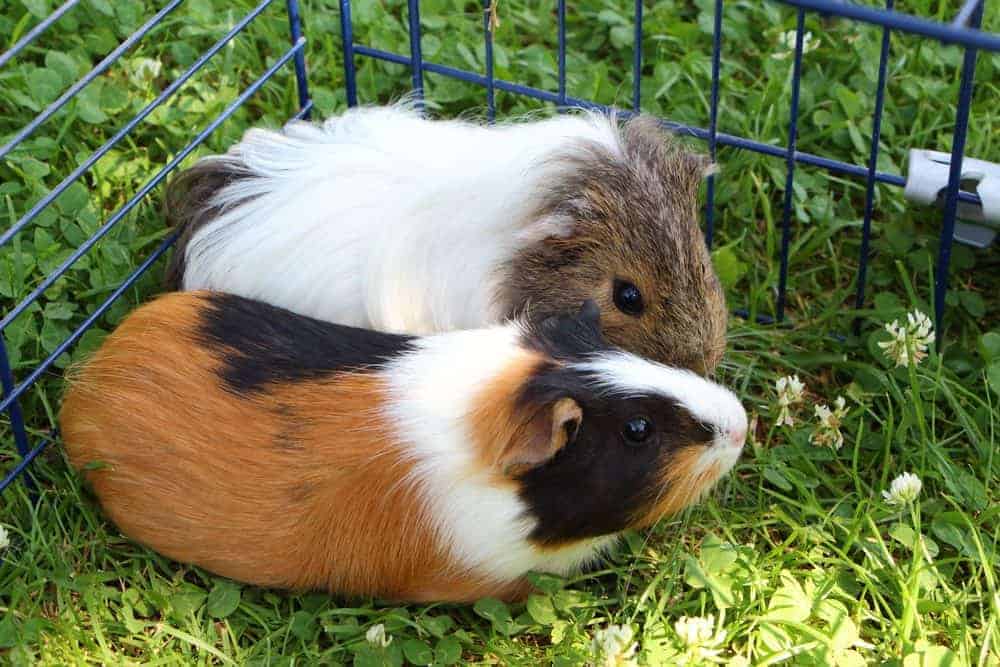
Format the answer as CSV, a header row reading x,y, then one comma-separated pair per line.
x,y
927,179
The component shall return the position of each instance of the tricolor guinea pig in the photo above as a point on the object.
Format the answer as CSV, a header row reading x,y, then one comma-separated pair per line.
x,y
382,219
289,452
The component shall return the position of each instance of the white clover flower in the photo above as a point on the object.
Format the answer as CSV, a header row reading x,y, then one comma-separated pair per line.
x,y
910,340
790,391
376,636
4,538
144,70
921,326
786,42
613,646
694,631
903,490
698,635
827,432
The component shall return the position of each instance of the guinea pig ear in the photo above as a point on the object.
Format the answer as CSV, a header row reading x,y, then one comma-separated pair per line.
x,y
590,314
571,336
698,165
708,167
551,226
552,428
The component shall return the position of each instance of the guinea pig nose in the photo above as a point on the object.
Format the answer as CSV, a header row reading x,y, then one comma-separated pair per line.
x,y
737,436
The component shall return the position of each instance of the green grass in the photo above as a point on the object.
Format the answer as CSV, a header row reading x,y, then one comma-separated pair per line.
x,y
796,554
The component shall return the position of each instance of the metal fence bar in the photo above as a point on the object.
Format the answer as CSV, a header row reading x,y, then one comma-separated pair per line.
x,y
87,323
491,107
957,32
943,32
561,51
637,59
713,123
347,43
16,419
954,180
98,69
14,412
723,139
22,466
866,227
303,112
37,372
416,57
400,59
964,15
129,126
295,34
793,127
32,34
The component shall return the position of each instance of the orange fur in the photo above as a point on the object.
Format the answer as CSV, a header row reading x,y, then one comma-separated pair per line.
x,y
303,485
684,481
507,437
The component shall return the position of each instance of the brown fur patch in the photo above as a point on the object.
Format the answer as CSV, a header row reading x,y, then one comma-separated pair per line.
x,y
187,205
636,219
684,481
194,471
511,436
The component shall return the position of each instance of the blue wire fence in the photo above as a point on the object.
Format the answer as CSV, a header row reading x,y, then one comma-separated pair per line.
x,y
12,390
963,31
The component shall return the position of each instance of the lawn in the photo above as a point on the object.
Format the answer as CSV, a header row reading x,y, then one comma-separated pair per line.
x,y
797,557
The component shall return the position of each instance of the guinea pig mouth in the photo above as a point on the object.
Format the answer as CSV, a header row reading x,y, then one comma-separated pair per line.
x,y
723,453
690,474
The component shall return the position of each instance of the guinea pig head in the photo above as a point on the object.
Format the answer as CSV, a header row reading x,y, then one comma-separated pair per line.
x,y
619,225
617,441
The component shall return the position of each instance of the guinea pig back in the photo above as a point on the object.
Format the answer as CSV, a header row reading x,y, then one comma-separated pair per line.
x,y
383,219
288,452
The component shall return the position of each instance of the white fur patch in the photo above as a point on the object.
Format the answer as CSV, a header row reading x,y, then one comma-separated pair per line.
x,y
486,526
382,219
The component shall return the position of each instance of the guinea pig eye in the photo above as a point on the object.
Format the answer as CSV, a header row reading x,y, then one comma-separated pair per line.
x,y
637,430
628,298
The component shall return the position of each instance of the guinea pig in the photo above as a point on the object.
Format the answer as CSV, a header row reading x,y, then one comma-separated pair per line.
x,y
289,452
382,219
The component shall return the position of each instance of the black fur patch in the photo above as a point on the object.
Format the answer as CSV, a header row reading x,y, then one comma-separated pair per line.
x,y
188,208
600,482
262,344
289,439
301,492
568,337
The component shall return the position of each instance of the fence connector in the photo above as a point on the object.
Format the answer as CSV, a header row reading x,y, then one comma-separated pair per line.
x,y
927,180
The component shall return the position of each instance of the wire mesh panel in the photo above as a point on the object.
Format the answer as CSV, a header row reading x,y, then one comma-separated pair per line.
x,y
15,388
963,31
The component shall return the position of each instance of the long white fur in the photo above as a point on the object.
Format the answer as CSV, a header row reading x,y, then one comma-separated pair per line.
x,y
382,219
487,526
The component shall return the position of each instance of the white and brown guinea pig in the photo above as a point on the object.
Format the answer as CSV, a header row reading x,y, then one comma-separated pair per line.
x,y
289,452
382,219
